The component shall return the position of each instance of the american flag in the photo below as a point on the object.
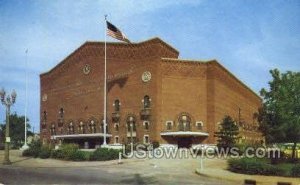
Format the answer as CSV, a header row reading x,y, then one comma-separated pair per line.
x,y
114,32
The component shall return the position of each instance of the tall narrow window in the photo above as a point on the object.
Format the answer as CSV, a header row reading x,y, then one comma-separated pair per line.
x,y
169,125
116,127
92,126
71,128
52,129
116,139
146,139
61,113
146,125
147,101
45,117
117,105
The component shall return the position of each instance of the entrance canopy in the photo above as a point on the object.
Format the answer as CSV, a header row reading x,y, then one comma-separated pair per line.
x,y
183,133
78,136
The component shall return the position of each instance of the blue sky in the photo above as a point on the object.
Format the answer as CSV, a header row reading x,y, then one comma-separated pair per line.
x,y
248,37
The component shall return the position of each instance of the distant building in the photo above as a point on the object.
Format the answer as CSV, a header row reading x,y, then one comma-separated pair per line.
x,y
152,96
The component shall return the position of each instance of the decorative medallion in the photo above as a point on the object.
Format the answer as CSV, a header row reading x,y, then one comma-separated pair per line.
x,y
146,76
45,97
86,69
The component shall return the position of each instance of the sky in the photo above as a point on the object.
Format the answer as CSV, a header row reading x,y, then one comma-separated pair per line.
x,y
248,37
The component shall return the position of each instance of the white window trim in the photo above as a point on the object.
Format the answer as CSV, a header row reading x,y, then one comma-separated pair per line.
x,y
145,139
199,122
144,123
172,123
116,124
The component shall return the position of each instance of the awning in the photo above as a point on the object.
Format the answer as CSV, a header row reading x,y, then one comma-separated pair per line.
x,y
184,133
70,136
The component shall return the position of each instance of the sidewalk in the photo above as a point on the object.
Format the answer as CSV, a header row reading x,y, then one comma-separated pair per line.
x,y
18,160
216,168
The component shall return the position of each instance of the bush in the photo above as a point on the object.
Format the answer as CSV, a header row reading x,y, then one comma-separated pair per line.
x,y
295,171
257,166
45,152
33,150
57,154
80,156
104,154
155,144
68,150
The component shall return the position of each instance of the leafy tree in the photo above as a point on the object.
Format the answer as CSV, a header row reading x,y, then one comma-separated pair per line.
x,y
228,133
279,117
16,130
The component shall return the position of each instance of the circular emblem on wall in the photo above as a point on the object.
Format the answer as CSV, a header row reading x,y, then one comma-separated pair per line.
x,y
44,97
86,69
146,76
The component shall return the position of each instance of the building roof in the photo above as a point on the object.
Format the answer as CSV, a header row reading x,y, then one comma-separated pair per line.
x,y
133,44
213,61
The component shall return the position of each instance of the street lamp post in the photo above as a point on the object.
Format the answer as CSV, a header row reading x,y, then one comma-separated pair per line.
x,y
7,101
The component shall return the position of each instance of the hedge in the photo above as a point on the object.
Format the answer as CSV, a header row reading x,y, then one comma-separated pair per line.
x,y
104,154
262,167
71,152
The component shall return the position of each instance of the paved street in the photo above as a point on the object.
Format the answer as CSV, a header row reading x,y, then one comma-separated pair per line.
x,y
132,171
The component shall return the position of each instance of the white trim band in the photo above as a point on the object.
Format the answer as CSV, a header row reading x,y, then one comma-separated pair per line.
x,y
80,135
184,133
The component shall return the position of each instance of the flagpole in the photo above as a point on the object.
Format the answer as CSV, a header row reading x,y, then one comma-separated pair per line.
x,y
104,108
25,146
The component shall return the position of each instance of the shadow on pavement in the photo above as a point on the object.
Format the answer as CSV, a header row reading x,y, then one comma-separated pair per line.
x,y
138,179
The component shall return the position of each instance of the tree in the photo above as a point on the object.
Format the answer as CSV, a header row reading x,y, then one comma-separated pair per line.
x,y
16,130
228,133
279,117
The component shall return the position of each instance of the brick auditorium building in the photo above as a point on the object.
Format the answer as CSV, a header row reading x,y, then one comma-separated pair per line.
x,y
152,96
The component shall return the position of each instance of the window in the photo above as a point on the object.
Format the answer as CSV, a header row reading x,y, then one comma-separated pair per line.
x,y
61,113
169,125
117,127
146,101
146,125
71,128
44,117
92,126
52,129
81,127
199,125
184,121
146,139
129,127
116,139
117,105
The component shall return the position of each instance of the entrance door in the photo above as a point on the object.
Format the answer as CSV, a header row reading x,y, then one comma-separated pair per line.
x,y
184,142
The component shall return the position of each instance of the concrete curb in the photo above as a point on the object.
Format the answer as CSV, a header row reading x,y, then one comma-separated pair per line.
x,y
198,172
240,178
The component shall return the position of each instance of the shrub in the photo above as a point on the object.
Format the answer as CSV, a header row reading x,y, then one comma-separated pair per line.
x,y
33,150
295,171
104,154
256,166
45,152
155,144
68,150
245,165
57,154
27,153
80,156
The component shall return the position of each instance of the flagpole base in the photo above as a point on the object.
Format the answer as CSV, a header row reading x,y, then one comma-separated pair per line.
x,y
24,147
